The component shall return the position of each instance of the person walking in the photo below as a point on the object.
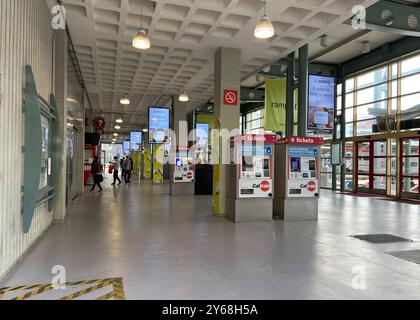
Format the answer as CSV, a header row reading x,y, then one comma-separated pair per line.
x,y
96,172
116,168
127,169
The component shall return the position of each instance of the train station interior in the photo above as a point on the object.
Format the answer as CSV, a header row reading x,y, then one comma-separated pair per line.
x,y
209,149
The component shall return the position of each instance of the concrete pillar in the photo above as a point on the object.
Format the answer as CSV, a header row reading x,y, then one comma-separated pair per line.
x,y
180,124
290,101
303,90
61,96
180,127
227,76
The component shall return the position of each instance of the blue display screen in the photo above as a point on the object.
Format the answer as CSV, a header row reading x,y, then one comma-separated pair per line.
x,y
295,164
136,138
159,125
126,146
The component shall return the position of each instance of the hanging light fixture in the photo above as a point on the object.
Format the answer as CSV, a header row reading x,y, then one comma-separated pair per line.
x,y
119,120
184,97
264,29
115,134
145,130
125,100
118,127
141,41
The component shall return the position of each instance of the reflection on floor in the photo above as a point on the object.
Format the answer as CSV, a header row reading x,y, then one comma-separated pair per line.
x,y
174,248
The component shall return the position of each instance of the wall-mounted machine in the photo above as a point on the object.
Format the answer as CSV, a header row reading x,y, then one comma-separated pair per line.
x,y
297,178
250,192
182,171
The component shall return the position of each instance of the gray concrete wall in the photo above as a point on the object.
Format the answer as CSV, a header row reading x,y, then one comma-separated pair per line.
x,y
25,38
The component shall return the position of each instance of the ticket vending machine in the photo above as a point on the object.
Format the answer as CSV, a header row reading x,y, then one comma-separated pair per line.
x,y
297,173
250,191
182,171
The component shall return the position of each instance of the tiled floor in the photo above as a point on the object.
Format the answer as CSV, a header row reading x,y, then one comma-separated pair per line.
x,y
174,248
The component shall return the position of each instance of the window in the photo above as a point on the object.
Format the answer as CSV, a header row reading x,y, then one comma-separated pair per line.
x,y
45,128
255,122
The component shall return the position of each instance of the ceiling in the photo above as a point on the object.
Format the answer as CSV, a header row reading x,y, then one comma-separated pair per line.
x,y
185,35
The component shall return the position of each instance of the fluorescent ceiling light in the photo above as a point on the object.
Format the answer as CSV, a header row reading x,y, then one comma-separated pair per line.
x,y
184,97
125,101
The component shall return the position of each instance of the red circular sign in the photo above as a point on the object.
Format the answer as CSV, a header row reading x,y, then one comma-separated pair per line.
x,y
265,186
99,123
311,186
231,97
189,175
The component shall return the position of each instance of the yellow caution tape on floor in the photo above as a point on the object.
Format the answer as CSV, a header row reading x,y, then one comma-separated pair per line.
x,y
117,292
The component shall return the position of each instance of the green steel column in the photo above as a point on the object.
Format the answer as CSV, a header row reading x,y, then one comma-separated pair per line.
x,y
303,90
343,136
290,103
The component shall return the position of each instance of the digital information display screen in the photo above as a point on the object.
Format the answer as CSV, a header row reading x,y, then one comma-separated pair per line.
x,y
321,103
136,138
126,146
158,125
202,134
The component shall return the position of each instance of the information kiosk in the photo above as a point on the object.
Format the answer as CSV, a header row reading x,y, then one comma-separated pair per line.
x,y
182,171
250,192
297,171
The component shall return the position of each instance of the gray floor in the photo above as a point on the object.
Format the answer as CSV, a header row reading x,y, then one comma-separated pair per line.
x,y
174,248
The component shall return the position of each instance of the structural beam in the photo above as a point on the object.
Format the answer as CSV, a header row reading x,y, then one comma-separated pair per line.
x,y
303,90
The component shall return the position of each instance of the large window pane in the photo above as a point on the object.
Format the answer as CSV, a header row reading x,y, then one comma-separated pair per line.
x,y
379,149
410,103
379,166
410,84
410,185
365,127
349,115
349,130
370,111
411,147
410,166
410,66
372,94
349,85
379,183
372,78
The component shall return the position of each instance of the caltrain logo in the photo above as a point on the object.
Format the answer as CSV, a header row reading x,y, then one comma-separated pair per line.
x,y
311,186
264,186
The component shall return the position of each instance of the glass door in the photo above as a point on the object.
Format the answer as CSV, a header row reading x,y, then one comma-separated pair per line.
x,y
410,170
371,168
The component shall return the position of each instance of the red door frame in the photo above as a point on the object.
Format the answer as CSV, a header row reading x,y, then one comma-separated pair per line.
x,y
371,158
402,156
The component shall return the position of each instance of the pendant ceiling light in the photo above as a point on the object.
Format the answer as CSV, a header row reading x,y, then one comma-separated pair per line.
x,y
115,134
264,29
125,100
145,130
184,97
141,41
118,127
119,120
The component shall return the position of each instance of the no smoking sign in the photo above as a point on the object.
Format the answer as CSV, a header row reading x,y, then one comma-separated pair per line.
x,y
230,98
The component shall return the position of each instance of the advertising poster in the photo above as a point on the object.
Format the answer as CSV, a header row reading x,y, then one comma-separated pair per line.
x,y
321,103
148,163
158,158
159,125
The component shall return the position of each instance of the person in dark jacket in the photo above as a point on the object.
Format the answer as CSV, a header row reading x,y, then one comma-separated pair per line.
x,y
96,173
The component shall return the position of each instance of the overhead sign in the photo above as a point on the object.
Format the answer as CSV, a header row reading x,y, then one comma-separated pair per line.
x,y
321,103
231,97
268,138
159,125
99,123
136,138
302,141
